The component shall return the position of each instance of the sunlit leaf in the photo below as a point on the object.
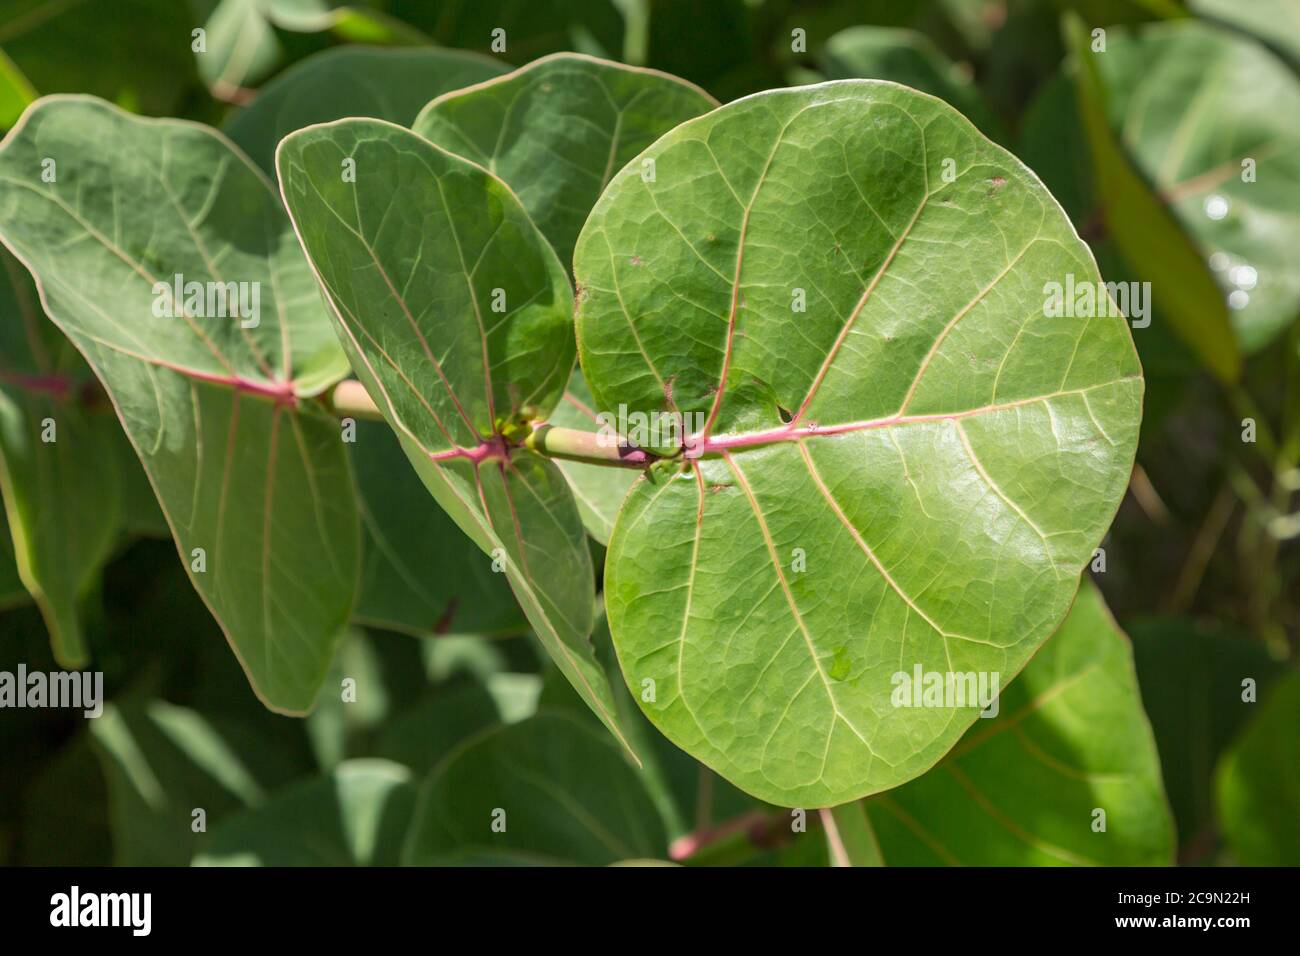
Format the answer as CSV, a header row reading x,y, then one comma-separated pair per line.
x,y
912,470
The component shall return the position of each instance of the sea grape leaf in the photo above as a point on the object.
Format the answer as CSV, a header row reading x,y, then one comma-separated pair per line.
x,y
1256,785
1192,676
162,761
412,287
241,49
1145,230
1276,22
82,47
356,815
419,573
392,84
60,473
598,491
557,129
247,472
876,482
531,29
1022,788
908,57
1190,104
568,795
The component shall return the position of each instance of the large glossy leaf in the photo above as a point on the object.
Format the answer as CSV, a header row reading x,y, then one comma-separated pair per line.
x,y
558,129
1023,788
413,256
1257,788
351,81
59,472
1146,232
244,467
557,791
357,815
1190,103
908,57
913,471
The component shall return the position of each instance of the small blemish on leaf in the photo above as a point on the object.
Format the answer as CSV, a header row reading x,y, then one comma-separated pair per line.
x,y
839,668
636,260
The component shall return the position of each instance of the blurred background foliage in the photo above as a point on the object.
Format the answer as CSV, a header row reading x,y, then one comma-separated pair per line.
x,y
1143,147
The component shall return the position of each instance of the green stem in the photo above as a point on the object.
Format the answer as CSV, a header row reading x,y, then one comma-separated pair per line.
x,y
572,444
349,399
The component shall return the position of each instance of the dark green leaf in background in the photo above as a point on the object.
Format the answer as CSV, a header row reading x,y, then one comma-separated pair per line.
x,y
1258,783
389,84
565,794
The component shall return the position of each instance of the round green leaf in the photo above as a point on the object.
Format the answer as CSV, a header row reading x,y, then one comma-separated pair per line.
x,y
911,471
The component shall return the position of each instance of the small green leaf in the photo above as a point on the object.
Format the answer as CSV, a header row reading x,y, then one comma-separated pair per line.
x,y
455,322
109,213
1028,787
545,791
557,129
1258,793
896,448
356,815
241,49
391,85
